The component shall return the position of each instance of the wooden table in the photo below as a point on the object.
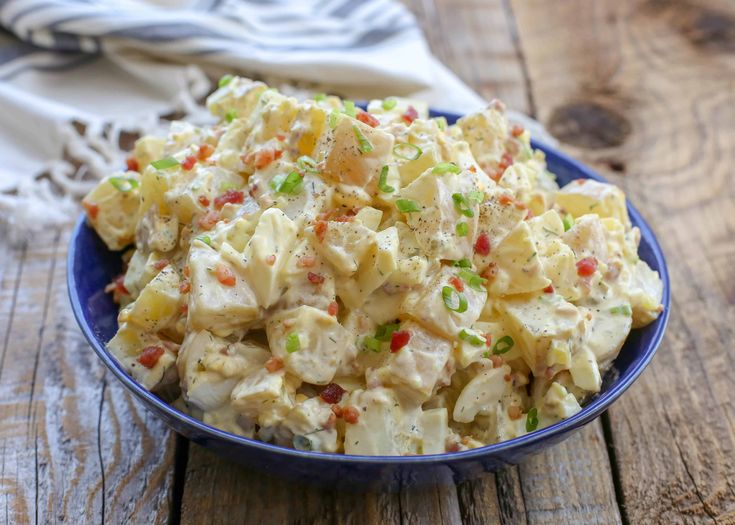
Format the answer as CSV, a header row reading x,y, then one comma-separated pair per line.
x,y
644,91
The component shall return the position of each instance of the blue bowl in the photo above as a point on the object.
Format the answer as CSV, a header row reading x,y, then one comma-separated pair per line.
x,y
91,266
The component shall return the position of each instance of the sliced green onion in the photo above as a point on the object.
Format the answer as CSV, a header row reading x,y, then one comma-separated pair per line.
x,y
301,443
445,167
463,263
471,337
227,186
320,97
371,343
333,119
124,184
290,184
406,151
363,143
293,343
454,300
385,331
231,115
476,196
441,122
165,163
532,420
205,239
226,79
383,181
306,163
462,229
472,279
462,204
623,309
349,108
503,345
407,205
389,103
568,222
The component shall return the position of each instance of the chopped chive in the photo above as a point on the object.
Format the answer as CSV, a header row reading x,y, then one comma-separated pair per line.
x,y
385,331
476,196
363,144
320,97
226,79
463,263
441,122
227,186
301,443
532,420
471,337
124,184
463,205
407,205
306,163
293,343
205,239
165,163
290,183
231,115
445,167
349,108
371,343
503,345
623,309
406,151
383,181
454,300
333,119
568,222
389,103
462,229
472,279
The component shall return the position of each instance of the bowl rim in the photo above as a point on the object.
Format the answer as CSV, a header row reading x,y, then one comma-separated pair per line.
x,y
590,411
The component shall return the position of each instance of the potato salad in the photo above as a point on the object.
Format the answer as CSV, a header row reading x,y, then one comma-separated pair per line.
x,y
378,282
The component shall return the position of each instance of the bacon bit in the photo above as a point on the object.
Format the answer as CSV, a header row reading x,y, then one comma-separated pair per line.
x,y
586,266
270,260
344,218
117,288
367,118
333,308
549,289
519,205
490,272
184,309
253,190
472,169
92,209
457,283
186,270
488,339
320,230
225,275
261,158
189,162
150,356
203,200
453,447
529,215
288,323
205,151
160,265
506,378
516,130
337,410
580,181
307,261
506,199
280,137
514,412
506,161
482,244
185,287
410,115
332,393
208,220
497,105
497,360
315,278
132,164
273,364
350,414
230,196
399,339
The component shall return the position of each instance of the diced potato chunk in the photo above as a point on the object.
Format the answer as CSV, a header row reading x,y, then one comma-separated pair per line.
x,y
518,267
308,422
159,302
481,394
127,346
344,245
113,212
485,132
589,196
266,397
435,430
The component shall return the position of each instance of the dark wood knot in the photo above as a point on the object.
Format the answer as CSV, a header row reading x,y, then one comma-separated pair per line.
x,y
589,125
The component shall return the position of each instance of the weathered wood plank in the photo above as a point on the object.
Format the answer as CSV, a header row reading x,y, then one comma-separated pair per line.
x,y
643,90
74,447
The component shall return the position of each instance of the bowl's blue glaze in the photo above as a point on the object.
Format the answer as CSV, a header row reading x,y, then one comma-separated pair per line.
x,y
91,266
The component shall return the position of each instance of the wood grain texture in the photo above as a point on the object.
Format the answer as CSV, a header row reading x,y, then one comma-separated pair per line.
x,y
74,447
662,75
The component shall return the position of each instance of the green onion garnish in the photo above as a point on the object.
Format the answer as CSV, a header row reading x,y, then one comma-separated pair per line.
x,y
301,443
306,163
205,239
165,163
349,108
472,279
445,167
454,300
333,119
623,309
441,122
290,183
231,115
471,337
226,79
406,151
503,345
385,331
383,181
568,222
462,229
293,343
462,204
124,184
227,186
532,420
476,196
389,103
320,97
363,144
407,205
371,343
463,263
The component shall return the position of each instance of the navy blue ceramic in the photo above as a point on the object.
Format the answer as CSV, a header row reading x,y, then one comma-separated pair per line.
x,y
91,266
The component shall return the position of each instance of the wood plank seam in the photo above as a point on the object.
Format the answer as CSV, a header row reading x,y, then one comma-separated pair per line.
x,y
14,301
515,38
